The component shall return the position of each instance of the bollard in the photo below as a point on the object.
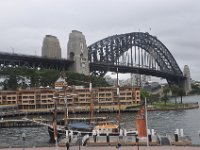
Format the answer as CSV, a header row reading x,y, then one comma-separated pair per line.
x,y
149,137
125,132
176,134
177,131
176,137
181,132
94,134
107,138
152,132
121,132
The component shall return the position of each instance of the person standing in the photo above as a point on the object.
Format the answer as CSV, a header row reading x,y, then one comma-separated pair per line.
x,y
67,145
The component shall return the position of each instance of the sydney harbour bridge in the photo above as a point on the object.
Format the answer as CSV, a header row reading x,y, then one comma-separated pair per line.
x,y
136,52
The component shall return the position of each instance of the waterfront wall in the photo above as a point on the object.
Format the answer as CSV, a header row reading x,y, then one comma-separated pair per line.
x,y
106,109
174,107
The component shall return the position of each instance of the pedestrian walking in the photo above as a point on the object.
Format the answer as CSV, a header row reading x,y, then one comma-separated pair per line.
x,y
119,146
67,145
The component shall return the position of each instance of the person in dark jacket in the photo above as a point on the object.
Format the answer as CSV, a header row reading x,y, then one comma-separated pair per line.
x,y
67,145
118,146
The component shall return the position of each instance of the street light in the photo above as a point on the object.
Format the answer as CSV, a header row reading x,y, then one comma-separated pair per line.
x,y
23,139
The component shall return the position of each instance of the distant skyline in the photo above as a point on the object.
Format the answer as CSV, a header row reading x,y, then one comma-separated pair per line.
x,y
175,23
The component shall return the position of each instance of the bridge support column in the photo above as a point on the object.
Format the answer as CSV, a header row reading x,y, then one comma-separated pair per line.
x,y
77,51
187,82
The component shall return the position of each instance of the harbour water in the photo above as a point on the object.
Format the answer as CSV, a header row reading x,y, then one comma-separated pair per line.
x,y
164,122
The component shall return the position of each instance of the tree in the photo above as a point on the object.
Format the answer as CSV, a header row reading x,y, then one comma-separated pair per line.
x,y
177,91
154,98
165,99
144,94
166,90
44,77
174,90
12,82
181,93
48,77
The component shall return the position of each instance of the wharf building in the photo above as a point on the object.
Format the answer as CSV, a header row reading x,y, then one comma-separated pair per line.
x,y
43,99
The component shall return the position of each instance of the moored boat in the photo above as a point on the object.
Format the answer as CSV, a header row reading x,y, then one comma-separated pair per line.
x,y
82,126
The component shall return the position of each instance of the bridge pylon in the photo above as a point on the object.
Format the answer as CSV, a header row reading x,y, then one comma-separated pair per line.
x,y
187,81
77,51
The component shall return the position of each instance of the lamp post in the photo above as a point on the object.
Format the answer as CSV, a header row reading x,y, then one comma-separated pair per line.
x,y
23,139
79,141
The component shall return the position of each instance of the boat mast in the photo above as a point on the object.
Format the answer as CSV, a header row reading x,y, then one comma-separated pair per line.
x,y
91,102
66,107
145,101
55,119
118,98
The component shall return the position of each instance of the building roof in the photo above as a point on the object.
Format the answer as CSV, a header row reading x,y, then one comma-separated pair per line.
x,y
60,79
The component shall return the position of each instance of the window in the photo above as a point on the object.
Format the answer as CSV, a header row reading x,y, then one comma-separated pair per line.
x,y
44,96
50,96
31,97
25,97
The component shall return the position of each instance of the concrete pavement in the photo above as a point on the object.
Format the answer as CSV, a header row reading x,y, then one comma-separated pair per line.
x,y
112,148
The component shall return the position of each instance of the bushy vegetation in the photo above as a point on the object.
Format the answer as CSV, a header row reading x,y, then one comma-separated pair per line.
x,y
195,89
163,99
20,77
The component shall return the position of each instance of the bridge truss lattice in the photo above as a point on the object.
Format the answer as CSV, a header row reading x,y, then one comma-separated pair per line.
x,y
136,52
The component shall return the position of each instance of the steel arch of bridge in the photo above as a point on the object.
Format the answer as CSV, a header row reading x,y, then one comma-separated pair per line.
x,y
104,55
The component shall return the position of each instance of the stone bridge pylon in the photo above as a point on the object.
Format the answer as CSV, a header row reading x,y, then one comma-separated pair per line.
x,y
77,51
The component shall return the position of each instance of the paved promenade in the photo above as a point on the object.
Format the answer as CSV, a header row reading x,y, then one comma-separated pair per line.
x,y
112,148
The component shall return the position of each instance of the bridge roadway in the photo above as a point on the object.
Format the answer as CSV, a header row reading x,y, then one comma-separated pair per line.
x,y
32,61
138,70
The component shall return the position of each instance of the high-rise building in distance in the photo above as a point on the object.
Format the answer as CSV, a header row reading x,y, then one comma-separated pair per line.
x,y
51,47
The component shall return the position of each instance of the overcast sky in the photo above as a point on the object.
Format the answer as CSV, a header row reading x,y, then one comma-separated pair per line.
x,y
176,23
